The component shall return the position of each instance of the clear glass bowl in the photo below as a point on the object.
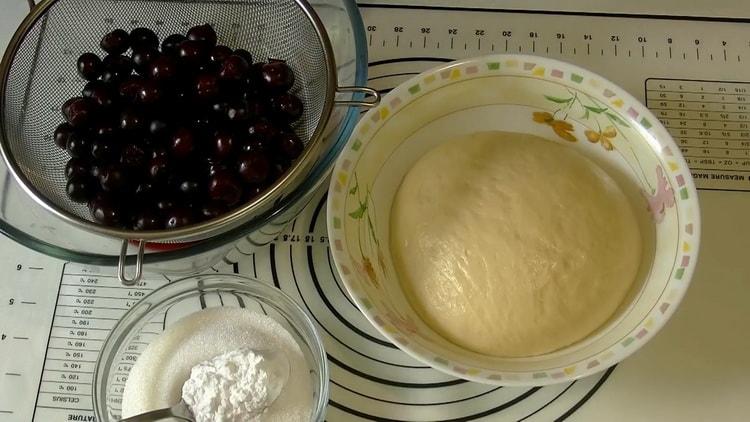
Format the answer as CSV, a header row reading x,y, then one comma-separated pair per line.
x,y
27,223
147,319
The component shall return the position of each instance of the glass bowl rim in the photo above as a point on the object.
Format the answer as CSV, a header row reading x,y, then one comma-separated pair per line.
x,y
176,288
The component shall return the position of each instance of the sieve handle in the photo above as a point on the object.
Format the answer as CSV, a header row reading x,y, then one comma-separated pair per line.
x,y
32,4
138,263
372,97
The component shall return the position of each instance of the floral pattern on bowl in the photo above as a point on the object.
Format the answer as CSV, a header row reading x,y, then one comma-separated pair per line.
x,y
514,93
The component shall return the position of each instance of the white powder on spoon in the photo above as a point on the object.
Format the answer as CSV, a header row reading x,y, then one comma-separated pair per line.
x,y
230,387
157,378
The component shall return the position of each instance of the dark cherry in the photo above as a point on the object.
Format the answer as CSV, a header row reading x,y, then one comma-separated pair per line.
x,y
149,93
133,156
163,68
159,168
100,93
206,86
130,87
171,44
277,76
103,150
286,106
63,131
219,108
182,143
256,72
90,86
113,178
257,108
208,66
105,211
165,204
238,112
104,129
279,167
234,68
158,127
253,191
214,168
182,98
159,152
143,38
192,52
178,217
219,54
144,191
223,144
204,33
290,145
115,42
111,76
78,111
212,210
142,59
190,188
131,120
250,87
96,170
253,167
245,55
256,145
145,140
80,188
89,66
262,130
225,188
147,220
118,63
204,126
76,167
78,146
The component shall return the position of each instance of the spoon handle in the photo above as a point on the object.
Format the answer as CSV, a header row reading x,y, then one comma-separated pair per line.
x,y
178,412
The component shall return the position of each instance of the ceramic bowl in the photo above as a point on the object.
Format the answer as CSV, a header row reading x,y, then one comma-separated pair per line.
x,y
526,94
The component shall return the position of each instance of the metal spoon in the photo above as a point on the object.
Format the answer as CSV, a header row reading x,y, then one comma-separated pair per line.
x,y
274,363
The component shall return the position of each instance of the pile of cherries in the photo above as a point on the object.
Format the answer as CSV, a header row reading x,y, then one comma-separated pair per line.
x,y
166,137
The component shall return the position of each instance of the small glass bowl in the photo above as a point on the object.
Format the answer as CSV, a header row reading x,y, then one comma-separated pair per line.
x,y
148,318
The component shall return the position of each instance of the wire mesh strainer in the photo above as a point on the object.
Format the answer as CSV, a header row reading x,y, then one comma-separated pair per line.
x,y
38,74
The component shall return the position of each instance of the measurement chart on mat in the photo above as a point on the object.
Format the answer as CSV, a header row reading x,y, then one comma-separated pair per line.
x,y
681,68
88,307
709,121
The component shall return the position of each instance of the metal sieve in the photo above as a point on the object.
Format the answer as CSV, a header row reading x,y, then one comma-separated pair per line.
x,y
37,74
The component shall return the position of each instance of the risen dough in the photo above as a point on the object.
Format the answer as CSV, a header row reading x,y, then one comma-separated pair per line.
x,y
512,245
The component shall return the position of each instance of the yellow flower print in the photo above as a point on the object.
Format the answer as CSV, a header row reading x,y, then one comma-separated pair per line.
x,y
369,271
604,137
542,117
561,128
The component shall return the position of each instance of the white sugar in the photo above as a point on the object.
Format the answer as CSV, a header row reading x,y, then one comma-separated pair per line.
x,y
157,378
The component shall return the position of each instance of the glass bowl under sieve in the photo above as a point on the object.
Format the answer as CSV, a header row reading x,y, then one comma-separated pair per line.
x,y
26,222
146,320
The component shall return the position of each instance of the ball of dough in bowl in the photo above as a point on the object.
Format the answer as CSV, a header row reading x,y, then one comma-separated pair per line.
x,y
512,245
